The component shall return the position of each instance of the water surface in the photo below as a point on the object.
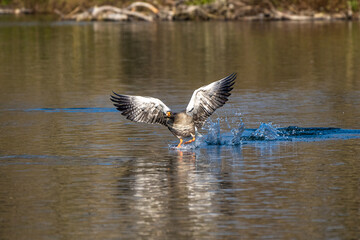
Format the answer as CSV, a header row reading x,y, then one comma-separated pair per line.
x,y
71,167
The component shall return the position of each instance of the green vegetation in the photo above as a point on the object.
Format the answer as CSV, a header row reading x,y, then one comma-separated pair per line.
x,y
354,5
4,2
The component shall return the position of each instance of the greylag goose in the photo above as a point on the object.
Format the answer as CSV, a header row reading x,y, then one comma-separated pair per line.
x,y
203,103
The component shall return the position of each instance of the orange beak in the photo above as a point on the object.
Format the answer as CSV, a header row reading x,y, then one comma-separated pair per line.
x,y
168,114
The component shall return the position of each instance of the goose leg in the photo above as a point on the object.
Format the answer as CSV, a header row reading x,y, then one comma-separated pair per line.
x,y
181,141
190,141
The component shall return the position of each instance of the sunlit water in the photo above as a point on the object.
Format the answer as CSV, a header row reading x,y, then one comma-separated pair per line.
x,y
280,160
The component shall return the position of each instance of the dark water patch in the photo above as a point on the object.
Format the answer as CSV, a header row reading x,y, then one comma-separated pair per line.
x,y
51,160
309,131
295,133
74,110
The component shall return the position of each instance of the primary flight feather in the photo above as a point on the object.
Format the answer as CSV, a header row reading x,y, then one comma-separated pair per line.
x,y
203,103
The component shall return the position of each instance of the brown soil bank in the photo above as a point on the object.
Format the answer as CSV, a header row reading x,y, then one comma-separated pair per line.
x,y
172,10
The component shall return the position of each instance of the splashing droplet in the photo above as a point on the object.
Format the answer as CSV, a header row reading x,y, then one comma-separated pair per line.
x,y
266,131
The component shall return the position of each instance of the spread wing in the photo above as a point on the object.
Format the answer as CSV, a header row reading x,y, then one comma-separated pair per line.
x,y
141,109
207,99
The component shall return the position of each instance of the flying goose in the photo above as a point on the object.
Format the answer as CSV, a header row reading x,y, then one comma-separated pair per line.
x,y
203,103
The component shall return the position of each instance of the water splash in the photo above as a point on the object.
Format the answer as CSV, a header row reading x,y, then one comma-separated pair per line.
x,y
237,133
213,137
221,132
266,131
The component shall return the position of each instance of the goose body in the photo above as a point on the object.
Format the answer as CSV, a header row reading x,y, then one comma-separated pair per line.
x,y
182,126
203,103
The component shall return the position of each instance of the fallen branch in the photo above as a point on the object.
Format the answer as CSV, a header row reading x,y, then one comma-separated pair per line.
x,y
138,15
108,12
135,5
97,11
192,12
286,16
75,11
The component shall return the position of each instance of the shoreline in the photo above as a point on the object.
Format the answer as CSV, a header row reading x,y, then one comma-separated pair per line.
x,y
217,10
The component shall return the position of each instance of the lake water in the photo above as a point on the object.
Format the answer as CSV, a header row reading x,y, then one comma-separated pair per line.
x,y
71,167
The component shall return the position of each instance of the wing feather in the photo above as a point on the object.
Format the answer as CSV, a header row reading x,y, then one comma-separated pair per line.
x,y
141,109
207,99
